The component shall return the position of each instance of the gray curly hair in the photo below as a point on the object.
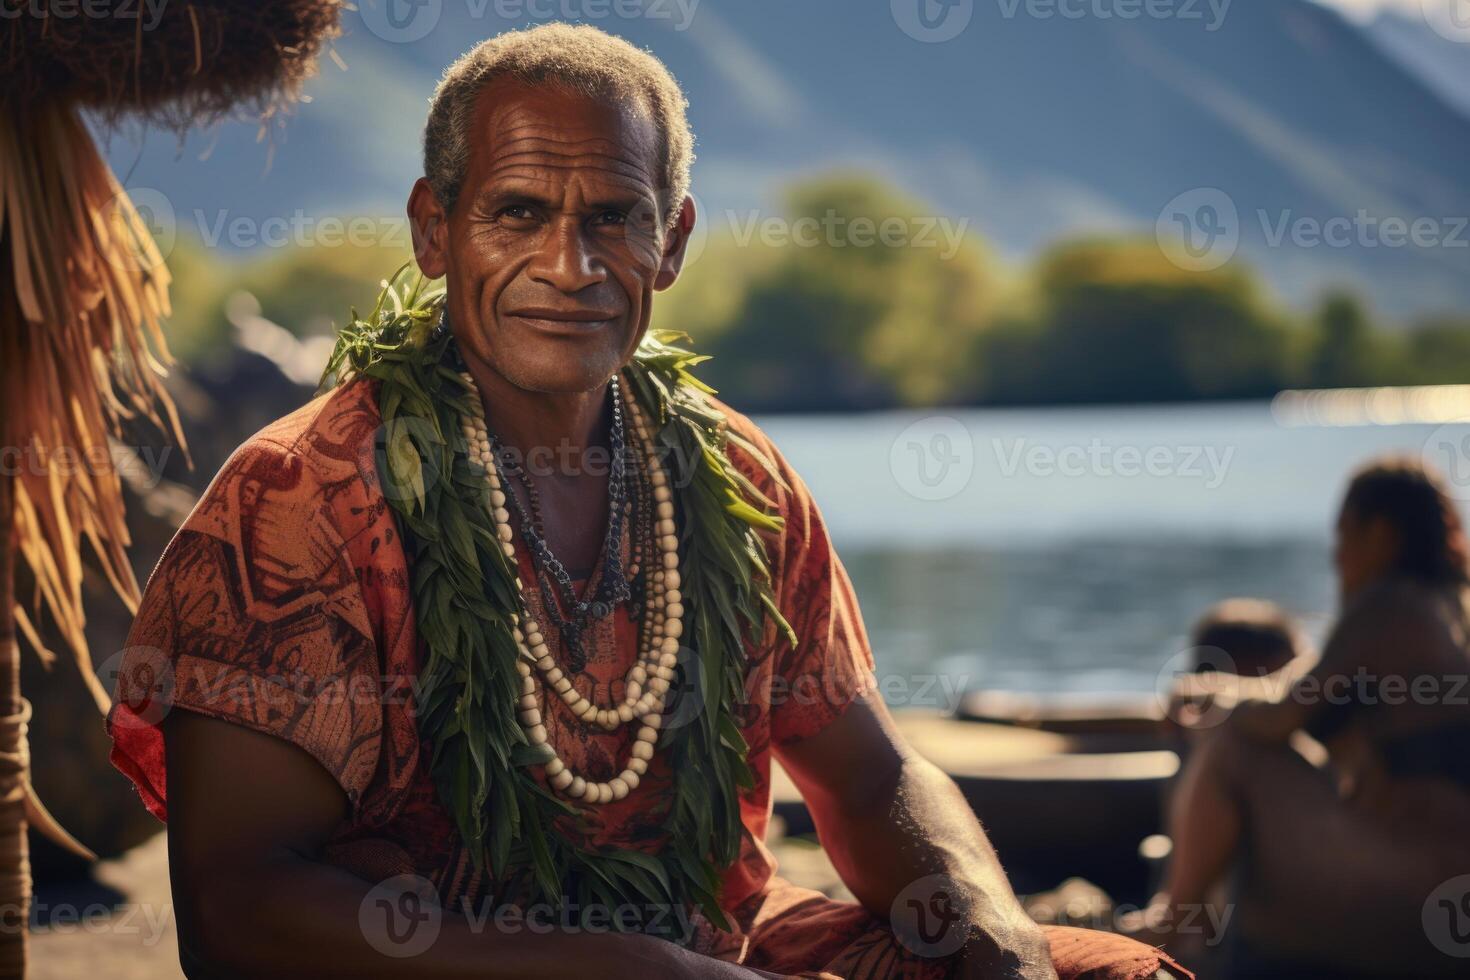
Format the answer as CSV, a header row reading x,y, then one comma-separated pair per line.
x,y
581,58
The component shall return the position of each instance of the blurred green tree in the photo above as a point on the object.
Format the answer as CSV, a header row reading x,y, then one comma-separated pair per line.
x,y
853,296
1117,321
1437,351
1349,353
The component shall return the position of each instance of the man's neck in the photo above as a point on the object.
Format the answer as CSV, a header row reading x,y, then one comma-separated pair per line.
x,y
557,427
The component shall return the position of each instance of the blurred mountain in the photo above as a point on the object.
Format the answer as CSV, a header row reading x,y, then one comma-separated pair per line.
x,y
1437,61
1031,126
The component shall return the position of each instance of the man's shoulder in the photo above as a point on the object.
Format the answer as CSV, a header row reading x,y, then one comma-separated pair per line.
x,y
319,456
749,448
738,422
327,431
758,459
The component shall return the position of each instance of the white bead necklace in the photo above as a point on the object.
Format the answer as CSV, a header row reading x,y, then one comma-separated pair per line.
x,y
647,681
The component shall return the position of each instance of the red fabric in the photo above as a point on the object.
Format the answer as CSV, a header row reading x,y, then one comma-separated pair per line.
x,y
1085,954
796,931
283,605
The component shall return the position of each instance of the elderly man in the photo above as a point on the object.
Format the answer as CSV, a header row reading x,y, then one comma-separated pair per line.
x,y
609,599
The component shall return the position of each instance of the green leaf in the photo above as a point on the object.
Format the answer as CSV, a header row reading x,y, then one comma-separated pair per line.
x,y
464,589
403,462
532,755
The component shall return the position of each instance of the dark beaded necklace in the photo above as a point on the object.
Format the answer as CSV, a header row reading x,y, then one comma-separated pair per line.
x,y
608,586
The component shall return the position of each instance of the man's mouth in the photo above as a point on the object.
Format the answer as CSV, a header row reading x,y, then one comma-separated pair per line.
x,y
559,320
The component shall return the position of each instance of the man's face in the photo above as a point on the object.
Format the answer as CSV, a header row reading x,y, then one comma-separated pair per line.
x,y
556,243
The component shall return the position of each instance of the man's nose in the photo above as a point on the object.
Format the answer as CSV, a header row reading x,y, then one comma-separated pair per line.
x,y
564,259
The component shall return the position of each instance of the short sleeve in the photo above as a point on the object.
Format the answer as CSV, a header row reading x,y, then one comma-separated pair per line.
x,y
253,616
831,664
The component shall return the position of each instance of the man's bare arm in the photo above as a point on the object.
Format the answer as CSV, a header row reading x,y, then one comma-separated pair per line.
x,y
247,815
888,818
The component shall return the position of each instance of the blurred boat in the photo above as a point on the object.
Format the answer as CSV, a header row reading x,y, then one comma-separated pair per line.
x,y
1122,714
1064,788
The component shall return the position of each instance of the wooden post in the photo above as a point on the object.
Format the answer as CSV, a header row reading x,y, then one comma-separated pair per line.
x,y
15,863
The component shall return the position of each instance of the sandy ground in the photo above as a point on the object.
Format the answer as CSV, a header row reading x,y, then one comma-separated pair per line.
x,y
120,926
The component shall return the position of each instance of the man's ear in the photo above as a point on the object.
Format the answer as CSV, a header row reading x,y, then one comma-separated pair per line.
x,y
675,245
430,226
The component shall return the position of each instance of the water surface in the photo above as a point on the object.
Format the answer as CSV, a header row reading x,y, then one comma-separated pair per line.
x,y
1070,549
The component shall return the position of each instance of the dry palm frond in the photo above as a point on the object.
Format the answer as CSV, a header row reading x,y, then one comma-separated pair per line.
x,y
83,291
82,287
180,63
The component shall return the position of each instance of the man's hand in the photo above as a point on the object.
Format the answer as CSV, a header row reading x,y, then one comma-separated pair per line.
x,y
888,819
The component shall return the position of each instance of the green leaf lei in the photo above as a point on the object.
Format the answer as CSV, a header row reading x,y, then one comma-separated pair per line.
x,y
464,592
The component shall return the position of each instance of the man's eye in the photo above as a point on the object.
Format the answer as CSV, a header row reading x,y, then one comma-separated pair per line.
x,y
612,216
516,212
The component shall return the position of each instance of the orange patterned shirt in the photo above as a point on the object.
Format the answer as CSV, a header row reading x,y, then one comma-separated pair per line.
x,y
283,604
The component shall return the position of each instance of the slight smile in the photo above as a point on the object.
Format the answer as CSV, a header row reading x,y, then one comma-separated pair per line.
x,y
561,321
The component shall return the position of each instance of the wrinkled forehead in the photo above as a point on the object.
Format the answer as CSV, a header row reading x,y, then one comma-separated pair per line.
x,y
552,133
